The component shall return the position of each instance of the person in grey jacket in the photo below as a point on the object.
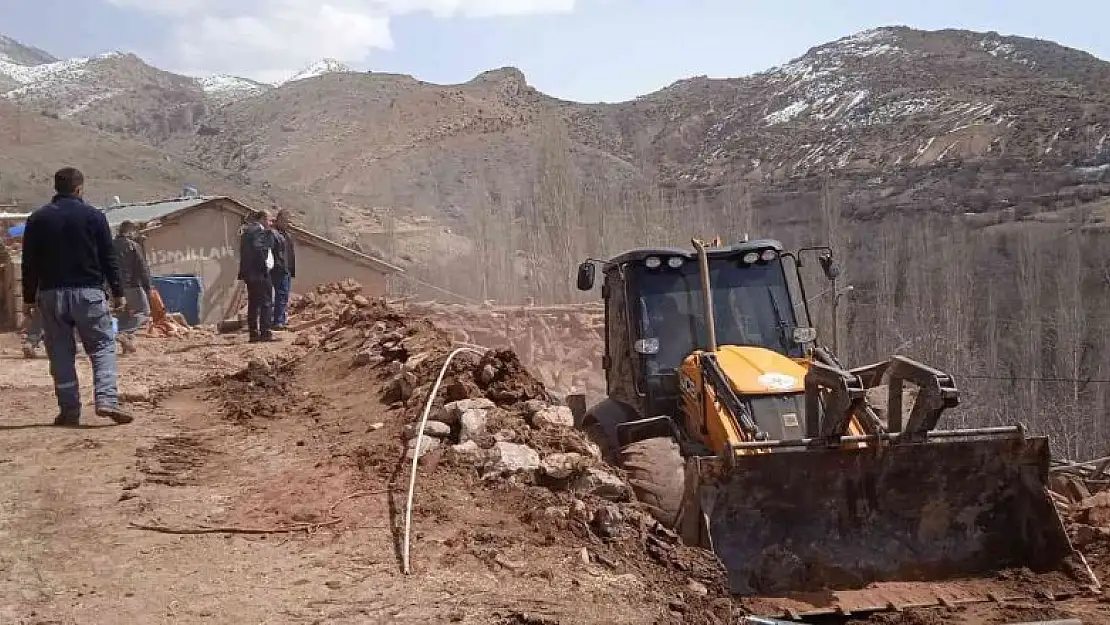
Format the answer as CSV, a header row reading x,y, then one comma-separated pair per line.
x,y
256,259
135,280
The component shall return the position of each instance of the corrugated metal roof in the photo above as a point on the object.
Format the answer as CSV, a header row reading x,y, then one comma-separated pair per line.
x,y
150,210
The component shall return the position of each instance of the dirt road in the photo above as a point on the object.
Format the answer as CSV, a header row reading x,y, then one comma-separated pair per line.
x,y
68,499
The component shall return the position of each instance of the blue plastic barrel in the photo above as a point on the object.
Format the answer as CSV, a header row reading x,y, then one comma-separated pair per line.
x,y
181,293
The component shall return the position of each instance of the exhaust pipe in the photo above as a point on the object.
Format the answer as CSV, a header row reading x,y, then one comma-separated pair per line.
x,y
707,294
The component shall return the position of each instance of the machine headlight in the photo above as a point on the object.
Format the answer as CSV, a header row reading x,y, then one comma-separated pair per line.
x,y
674,262
768,255
751,257
652,262
646,346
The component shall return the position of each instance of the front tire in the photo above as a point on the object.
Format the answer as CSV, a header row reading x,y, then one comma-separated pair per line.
x,y
657,474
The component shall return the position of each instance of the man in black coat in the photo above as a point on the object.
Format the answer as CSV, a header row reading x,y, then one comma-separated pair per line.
x,y
256,259
68,258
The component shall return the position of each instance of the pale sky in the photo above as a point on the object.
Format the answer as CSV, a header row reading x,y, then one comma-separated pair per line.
x,y
586,50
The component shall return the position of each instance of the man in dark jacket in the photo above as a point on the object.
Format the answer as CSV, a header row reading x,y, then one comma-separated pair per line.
x,y
67,258
285,267
256,259
134,274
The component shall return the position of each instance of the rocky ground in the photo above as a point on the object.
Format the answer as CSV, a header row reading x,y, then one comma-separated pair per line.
x,y
267,483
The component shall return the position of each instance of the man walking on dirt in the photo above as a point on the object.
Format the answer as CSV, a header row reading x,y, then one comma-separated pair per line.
x,y
285,267
135,278
68,257
256,260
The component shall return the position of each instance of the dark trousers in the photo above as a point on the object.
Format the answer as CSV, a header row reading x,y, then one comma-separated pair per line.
x,y
260,306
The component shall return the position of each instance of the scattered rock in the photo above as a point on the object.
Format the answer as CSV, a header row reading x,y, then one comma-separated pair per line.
x,y
454,410
436,429
532,406
361,301
601,484
507,563
1085,535
511,458
584,556
415,361
472,424
697,587
427,444
556,512
608,521
561,466
374,427
487,374
468,452
400,388
553,416
367,357
1095,510
579,511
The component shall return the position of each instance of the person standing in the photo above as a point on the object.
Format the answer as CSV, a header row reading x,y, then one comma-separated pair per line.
x,y
68,257
135,279
285,268
256,260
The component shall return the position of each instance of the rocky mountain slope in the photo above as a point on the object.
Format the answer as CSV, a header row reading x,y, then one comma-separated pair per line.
x,y
952,121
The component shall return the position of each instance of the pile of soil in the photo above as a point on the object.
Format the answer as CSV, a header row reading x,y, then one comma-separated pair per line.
x,y
261,390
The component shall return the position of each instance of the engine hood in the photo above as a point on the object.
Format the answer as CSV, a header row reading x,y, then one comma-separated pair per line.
x,y
760,371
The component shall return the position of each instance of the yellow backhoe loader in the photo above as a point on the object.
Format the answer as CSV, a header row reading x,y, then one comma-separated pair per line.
x,y
742,433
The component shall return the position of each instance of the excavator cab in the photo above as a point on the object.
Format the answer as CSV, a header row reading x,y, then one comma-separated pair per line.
x,y
745,435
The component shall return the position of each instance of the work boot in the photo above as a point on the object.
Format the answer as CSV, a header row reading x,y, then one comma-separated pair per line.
x,y
67,421
268,338
29,351
115,414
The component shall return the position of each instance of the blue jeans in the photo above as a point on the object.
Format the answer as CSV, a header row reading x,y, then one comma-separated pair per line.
x,y
85,310
283,283
138,310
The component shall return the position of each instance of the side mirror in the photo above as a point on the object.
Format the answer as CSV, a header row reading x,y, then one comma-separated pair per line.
x,y
829,266
586,276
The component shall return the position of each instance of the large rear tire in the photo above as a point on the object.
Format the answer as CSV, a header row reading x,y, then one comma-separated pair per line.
x,y
657,474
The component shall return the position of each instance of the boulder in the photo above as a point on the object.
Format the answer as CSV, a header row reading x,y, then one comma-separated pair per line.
x,y
453,411
468,452
427,444
436,429
601,484
1095,510
511,458
553,416
560,466
472,424
400,388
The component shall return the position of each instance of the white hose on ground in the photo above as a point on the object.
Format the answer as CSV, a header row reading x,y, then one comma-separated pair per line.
x,y
419,439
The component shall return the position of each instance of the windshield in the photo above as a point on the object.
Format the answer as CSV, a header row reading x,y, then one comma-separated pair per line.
x,y
751,306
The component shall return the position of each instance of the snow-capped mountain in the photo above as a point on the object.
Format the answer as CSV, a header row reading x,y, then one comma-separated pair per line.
x,y
224,89
319,68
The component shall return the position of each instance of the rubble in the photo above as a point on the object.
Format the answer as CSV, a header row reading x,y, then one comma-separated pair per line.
x,y
427,444
553,416
436,429
602,484
511,458
561,466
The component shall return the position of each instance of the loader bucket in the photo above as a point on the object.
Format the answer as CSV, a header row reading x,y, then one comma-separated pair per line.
x,y
809,519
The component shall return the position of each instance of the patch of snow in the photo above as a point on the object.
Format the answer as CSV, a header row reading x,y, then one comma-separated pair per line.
x,y
319,68
928,144
224,88
87,102
944,153
1008,51
47,72
784,115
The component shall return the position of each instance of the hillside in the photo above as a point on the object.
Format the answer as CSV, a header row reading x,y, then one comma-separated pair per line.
x,y
34,146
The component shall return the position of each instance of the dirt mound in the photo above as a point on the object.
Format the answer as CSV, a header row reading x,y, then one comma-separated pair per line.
x,y
261,390
496,443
